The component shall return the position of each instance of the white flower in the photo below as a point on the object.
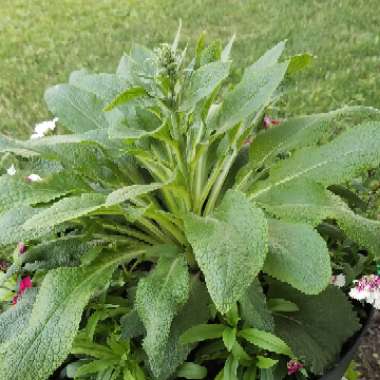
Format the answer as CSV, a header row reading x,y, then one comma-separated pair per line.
x,y
367,289
41,129
34,178
358,294
11,170
339,280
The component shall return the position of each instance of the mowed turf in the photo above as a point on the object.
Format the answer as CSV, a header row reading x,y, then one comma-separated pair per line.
x,y
42,41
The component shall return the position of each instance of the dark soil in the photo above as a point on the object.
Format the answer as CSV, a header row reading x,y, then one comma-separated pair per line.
x,y
369,352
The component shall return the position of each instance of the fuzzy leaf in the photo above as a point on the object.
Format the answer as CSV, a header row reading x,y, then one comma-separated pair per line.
x,y
44,344
348,155
269,58
63,252
158,299
105,86
12,222
308,202
296,133
254,309
203,82
299,256
230,247
317,331
15,191
251,95
65,210
193,313
78,110
14,320
130,192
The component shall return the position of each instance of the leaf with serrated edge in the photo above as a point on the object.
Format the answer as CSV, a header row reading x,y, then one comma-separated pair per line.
x,y
230,247
78,110
309,202
349,154
317,331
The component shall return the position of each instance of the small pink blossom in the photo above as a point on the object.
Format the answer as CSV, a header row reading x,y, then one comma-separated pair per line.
x,y
268,122
367,289
294,366
21,248
25,283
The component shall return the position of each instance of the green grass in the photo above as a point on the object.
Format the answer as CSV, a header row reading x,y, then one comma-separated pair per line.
x,y
42,41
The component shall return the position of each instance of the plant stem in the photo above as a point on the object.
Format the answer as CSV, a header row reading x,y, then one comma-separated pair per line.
x,y
219,183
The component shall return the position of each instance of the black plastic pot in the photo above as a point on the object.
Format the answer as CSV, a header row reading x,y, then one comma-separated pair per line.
x,y
340,368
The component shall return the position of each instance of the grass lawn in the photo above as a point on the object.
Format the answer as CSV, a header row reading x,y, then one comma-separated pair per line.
x,y
42,41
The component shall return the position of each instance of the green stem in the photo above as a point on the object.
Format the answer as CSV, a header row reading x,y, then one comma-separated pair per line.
x,y
219,183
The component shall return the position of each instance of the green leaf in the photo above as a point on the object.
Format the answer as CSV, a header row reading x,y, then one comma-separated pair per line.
x,y
64,252
78,110
250,96
229,337
279,305
131,325
308,202
46,341
254,309
12,222
16,191
125,97
203,82
264,362
193,313
351,153
230,369
95,366
15,319
158,299
317,331
191,371
299,62
65,210
299,256
105,86
298,132
269,58
130,192
266,341
202,332
230,247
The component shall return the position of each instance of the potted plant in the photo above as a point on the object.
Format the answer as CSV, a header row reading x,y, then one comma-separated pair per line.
x,y
176,230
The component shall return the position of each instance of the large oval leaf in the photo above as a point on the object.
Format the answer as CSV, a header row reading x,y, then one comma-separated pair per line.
x,y
230,247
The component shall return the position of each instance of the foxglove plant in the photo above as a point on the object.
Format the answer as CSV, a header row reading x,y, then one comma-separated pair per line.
x,y
177,230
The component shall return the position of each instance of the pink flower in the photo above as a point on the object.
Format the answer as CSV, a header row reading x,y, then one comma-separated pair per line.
x,y
21,248
294,366
367,289
269,122
25,283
